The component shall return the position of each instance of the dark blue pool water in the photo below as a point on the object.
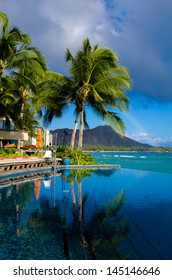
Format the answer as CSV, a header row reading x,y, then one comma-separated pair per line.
x,y
88,214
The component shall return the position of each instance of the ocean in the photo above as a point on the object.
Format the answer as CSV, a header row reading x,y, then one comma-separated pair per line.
x,y
148,161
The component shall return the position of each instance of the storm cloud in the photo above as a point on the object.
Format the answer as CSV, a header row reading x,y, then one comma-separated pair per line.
x,y
139,31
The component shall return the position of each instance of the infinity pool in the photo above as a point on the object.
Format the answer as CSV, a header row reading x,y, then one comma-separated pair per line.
x,y
87,214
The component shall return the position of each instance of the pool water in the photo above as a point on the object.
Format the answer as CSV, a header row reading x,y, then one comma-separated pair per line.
x,y
88,214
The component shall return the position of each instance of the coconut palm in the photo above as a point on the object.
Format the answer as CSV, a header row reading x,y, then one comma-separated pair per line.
x,y
96,80
100,83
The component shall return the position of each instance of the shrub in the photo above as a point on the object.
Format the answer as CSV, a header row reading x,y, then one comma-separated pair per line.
x,y
76,156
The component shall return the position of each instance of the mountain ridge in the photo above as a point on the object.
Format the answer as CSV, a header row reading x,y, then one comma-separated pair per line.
x,y
100,136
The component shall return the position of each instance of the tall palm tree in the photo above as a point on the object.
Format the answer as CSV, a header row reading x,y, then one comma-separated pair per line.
x,y
100,83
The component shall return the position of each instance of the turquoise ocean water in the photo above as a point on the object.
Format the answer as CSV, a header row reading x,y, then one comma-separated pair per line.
x,y
149,161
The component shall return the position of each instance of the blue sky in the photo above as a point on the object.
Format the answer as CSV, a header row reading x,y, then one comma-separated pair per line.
x,y
138,31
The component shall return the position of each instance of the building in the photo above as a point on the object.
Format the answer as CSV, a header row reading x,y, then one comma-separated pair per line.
x,y
10,136
48,138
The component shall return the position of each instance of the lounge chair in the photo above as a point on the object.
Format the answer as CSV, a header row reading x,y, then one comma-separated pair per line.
x,y
48,154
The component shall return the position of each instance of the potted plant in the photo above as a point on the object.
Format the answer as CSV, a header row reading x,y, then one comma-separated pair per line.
x,y
65,159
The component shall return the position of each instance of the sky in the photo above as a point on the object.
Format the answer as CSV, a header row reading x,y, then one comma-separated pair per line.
x,y
138,31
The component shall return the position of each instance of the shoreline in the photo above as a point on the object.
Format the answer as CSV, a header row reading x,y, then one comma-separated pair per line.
x,y
133,151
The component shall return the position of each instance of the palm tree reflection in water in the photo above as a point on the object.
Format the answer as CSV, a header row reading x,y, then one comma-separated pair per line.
x,y
100,236
46,228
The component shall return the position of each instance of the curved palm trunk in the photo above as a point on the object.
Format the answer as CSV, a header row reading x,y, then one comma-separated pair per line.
x,y
72,142
80,141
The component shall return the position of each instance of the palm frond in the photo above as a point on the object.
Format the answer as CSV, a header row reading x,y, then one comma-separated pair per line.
x,y
4,20
25,81
115,122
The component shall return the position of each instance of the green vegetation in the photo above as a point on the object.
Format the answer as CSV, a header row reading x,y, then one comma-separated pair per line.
x,y
76,156
22,67
8,152
123,148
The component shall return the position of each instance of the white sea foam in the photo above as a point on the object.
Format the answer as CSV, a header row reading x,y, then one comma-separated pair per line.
x,y
127,156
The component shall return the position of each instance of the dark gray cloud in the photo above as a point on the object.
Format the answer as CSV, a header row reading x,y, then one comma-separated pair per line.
x,y
139,31
144,44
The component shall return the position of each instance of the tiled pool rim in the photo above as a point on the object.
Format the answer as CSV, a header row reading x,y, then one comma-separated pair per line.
x,y
23,175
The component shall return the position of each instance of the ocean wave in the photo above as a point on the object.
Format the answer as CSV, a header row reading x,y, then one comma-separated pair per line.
x,y
127,156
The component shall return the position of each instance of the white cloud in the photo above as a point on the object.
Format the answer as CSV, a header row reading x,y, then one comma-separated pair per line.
x,y
144,137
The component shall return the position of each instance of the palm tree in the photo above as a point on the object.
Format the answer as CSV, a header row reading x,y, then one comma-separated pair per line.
x,y
96,80
31,72
24,64
100,83
9,39
56,93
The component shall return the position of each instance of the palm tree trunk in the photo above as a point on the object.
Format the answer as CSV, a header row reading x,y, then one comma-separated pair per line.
x,y
20,126
72,142
81,129
19,139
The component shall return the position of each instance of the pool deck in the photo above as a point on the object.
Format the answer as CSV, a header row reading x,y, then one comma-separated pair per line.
x,y
19,170
8,166
18,164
